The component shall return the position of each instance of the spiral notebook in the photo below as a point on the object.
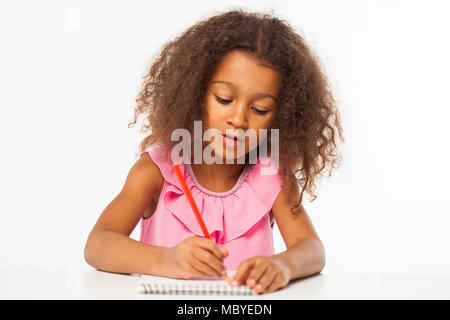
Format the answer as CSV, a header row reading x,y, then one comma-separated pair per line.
x,y
201,286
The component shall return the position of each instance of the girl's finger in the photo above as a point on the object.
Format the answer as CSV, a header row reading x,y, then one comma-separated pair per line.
x,y
256,273
202,268
242,272
207,258
209,245
266,279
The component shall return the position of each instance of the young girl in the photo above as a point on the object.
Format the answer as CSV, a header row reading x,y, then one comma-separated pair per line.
x,y
234,71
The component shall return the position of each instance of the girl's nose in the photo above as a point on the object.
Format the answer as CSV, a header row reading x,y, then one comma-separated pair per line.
x,y
238,116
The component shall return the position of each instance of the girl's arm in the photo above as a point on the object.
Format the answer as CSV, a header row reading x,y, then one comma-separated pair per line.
x,y
304,255
108,246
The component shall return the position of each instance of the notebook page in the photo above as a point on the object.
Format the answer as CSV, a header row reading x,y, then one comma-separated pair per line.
x,y
198,285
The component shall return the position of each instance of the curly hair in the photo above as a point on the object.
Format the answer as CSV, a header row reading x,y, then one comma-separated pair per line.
x,y
173,91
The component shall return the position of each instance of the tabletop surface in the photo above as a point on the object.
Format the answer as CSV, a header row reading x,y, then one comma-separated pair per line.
x,y
88,283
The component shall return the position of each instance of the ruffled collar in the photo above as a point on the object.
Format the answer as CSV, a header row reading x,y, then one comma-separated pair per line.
x,y
228,215
240,181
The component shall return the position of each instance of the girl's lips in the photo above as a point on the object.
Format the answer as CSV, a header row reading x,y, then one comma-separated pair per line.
x,y
230,139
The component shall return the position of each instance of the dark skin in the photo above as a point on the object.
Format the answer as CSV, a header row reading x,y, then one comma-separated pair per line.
x,y
242,94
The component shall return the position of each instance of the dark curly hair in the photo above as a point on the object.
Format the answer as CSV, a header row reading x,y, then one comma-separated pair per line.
x,y
173,91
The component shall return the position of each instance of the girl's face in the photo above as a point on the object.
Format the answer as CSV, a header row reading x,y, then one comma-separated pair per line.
x,y
241,95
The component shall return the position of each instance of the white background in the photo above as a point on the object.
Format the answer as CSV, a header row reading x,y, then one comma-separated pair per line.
x,y
70,71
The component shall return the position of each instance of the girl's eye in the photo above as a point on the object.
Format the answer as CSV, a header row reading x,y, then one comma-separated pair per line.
x,y
259,111
224,101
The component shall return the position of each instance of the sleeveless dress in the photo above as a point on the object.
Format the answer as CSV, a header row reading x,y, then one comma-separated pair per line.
x,y
238,220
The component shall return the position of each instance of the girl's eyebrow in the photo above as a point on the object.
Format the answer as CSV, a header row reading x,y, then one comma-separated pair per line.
x,y
259,94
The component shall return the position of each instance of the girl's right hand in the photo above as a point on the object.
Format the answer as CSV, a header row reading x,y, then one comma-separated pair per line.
x,y
194,257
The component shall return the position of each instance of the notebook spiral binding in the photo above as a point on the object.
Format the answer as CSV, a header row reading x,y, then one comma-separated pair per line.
x,y
156,288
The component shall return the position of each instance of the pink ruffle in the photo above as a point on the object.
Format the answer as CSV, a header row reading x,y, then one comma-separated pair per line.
x,y
226,217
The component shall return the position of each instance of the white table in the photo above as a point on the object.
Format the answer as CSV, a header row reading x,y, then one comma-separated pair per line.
x,y
88,283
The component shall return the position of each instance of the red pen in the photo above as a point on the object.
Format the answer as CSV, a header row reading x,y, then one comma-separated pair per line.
x,y
193,205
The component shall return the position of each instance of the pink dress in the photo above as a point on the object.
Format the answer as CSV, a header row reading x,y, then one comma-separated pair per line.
x,y
238,220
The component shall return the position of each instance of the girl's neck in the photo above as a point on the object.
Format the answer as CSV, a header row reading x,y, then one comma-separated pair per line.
x,y
217,177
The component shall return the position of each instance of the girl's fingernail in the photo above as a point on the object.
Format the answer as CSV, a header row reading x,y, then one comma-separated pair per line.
x,y
251,282
235,283
259,288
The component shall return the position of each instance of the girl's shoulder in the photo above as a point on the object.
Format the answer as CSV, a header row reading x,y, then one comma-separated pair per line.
x,y
149,171
264,179
159,160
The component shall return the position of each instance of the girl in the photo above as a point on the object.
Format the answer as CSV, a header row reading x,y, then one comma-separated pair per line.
x,y
234,71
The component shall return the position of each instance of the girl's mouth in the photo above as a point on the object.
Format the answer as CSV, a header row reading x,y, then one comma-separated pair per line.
x,y
231,139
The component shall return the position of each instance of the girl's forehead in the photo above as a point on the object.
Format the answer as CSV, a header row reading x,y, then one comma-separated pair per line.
x,y
240,71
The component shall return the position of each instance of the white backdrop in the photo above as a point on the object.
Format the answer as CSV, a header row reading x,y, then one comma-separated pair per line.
x,y
70,71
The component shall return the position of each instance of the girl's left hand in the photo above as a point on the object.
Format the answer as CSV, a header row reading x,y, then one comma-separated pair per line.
x,y
262,274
